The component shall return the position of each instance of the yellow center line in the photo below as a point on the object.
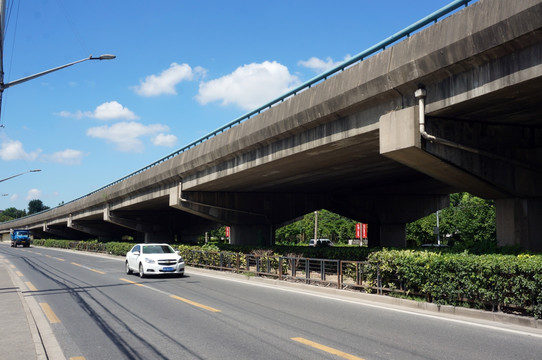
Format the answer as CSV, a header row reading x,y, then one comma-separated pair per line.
x,y
19,273
30,286
77,358
131,282
326,349
176,297
84,267
52,257
194,303
12,266
51,316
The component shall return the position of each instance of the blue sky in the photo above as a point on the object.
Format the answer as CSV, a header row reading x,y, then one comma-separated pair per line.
x,y
183,69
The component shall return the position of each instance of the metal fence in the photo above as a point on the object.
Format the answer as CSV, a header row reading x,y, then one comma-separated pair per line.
x,y
356,275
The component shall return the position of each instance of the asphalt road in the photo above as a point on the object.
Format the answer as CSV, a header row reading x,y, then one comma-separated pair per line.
x,y
96,311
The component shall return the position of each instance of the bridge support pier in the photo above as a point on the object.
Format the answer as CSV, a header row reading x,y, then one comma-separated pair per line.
x,y
157,237
387,235
257,234
393,235
519,223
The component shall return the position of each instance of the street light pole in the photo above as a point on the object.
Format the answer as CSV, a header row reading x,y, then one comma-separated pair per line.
x,y
16,82
3,85
26,172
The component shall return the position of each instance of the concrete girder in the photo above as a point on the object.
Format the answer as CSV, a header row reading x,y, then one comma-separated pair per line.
x,y
509,157
247,207
400,140
255,215
151,232
63,233
246,227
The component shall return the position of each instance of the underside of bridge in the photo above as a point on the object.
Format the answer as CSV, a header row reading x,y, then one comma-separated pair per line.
x,y
485,141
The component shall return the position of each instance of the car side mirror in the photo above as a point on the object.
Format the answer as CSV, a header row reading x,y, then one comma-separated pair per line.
x,y
136,253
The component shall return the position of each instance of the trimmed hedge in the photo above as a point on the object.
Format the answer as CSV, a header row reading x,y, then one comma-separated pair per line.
x,y
484,281
113,248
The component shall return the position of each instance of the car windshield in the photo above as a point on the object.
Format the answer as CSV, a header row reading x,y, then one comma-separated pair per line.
x,y
157,249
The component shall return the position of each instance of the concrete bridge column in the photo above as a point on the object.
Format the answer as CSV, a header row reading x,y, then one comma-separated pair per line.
x,y
519,223
157,237
257,234
393,235
387,235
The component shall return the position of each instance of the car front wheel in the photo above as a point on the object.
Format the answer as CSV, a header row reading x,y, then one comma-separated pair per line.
x,y
128,270
141,273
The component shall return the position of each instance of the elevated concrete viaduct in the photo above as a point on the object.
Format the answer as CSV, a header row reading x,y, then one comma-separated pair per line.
x,y
454,107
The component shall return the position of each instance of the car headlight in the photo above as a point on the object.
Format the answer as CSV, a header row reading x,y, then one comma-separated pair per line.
x,y
149,261
180,260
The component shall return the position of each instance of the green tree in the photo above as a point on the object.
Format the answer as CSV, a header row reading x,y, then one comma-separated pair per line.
x,y
471,218
218,233
331,226
421,231
469,221
11,213
291,233
35,206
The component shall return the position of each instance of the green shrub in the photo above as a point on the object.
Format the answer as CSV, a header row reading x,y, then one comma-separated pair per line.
x,y
485,281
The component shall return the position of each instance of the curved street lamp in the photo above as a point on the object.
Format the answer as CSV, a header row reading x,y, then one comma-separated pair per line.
x,y
26,172
16,82
3,85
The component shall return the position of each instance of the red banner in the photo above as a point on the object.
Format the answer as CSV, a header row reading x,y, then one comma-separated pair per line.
x,y
227,231
358,231
364,231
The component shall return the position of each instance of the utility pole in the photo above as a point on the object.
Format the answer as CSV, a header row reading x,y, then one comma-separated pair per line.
x,y
315,226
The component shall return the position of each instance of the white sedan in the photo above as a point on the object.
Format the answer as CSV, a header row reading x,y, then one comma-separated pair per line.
x,y
154,259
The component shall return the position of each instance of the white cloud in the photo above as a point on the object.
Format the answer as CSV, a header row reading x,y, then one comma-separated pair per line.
x,y
249,86
167,140
13,150
165,82
77,115
107,111
126,135
319,65
33,194
67,157
113,110
14,197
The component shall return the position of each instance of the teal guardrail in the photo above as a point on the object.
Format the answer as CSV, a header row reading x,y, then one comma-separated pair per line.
x,y
431,18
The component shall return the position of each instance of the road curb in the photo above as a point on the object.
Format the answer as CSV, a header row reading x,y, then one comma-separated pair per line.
x,y
45,342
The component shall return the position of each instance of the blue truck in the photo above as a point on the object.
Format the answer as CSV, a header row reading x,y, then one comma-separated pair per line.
x,y
20,237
